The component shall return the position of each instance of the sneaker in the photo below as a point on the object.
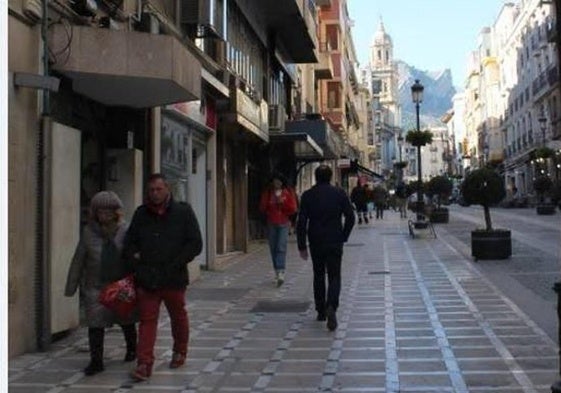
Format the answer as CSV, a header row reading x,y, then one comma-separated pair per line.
x,y
360,220
280,278
177,360
141,373
331,319
366,220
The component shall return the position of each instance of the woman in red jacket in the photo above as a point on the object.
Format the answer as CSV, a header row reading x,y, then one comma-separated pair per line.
x,y
278,204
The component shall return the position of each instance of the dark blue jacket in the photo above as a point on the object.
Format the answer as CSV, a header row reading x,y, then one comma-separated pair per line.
x,y
322,208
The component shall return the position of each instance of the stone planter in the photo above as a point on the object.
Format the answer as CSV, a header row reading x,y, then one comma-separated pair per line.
x,y
545,209
441,215
496,244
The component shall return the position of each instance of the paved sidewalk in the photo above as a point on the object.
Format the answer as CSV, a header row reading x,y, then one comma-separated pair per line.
x,y
415,316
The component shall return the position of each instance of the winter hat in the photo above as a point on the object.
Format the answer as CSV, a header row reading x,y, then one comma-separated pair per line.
x,y
105,200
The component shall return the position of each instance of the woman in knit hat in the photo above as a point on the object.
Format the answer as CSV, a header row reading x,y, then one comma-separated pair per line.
x,y
97,262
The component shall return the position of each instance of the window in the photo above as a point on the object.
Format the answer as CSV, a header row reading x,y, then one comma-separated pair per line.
x,y
333,95
379,54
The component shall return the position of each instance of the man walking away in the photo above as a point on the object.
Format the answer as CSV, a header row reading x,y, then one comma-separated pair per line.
x,y
163,237
360,200
320,224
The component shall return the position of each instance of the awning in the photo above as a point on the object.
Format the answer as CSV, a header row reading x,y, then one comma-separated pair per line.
x,y
369,172
305,148
126,68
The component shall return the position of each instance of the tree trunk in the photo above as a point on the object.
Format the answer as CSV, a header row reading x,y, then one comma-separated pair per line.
x,y
488,225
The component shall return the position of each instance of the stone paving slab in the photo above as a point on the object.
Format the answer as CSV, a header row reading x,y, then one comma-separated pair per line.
x,y
415,316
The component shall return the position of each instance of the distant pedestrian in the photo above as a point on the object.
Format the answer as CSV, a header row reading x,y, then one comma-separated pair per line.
x,y
163,237
359,198
278,203
369,200
97,262
380,201
320,226
401,199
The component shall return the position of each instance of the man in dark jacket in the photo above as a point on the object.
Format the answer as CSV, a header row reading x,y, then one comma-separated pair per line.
x,y
319,222
163,237
359,196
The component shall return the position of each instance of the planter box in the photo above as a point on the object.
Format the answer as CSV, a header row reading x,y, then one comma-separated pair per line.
x,y
440,216
545,209
491,245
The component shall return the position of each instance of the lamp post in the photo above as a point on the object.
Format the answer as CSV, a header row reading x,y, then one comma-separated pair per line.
x,y
417,95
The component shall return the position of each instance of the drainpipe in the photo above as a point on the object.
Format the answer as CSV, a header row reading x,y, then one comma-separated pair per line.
x,y
42,276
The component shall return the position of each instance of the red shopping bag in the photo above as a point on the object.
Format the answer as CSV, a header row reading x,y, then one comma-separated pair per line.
x,y
120,296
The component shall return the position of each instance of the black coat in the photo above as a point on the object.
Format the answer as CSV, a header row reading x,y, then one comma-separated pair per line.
x,y
164,244
359,197
322,208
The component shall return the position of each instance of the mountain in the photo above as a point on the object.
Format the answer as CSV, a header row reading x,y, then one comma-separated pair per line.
x,y
437,96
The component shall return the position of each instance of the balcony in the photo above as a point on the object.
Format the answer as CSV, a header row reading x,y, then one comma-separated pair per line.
x,y
291,22
250,114
324,68
320,131
124,68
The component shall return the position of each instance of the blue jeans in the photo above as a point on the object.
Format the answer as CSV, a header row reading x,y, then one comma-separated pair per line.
x,y
278,237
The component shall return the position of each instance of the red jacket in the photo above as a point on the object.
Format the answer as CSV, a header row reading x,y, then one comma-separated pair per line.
x,y
278,209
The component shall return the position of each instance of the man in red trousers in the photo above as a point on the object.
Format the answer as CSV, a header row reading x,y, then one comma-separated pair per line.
x,y
163,236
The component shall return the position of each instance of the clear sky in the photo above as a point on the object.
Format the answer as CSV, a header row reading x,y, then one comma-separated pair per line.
x,y
427,34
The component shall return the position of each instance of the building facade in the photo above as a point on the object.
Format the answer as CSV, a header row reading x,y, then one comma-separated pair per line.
x,y
512,95
105,93
383,78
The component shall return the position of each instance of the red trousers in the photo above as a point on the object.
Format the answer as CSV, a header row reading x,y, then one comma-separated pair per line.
x,y
149,309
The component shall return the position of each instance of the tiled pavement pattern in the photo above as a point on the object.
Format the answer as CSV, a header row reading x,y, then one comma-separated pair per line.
x,y
415,316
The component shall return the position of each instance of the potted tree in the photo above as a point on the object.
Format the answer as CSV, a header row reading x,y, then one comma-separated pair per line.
x,y
485,187
441,188
543,185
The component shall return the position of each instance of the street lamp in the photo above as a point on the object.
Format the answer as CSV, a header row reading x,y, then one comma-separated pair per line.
x,y
417,95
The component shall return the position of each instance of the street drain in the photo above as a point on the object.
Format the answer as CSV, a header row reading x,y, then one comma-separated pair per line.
x,y
380,272
281,306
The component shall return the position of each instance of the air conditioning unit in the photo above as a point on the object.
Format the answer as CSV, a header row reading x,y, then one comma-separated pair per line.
x,y
84,7
206,15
